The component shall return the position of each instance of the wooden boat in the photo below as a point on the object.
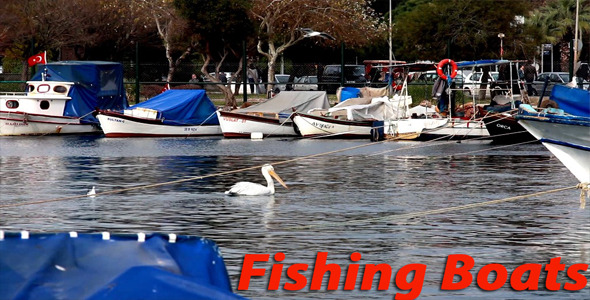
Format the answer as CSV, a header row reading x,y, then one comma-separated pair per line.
x,y
171,113
61,99
272,117
564,131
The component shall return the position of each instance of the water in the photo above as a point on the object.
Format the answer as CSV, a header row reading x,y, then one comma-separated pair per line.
x,y
340,203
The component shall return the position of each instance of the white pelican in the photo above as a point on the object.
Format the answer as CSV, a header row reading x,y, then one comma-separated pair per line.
x,y
92,192
255,189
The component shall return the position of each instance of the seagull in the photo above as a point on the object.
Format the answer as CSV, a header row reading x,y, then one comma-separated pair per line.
x,y
308,32
92,192
255,189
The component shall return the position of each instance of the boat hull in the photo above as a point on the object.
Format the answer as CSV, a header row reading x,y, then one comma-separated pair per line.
x,y
568,140
505,129
238,125
313,126
116,125
457,129
410,129
18,123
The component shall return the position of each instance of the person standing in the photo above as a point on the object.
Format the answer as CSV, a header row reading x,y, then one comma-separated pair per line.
x,y
193,79
530,74
252,77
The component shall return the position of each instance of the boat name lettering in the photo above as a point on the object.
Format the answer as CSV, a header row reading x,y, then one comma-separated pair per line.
x,y
116,120
191,129
503,126
322,125
16,124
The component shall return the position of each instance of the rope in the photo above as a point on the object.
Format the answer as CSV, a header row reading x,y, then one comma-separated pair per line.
x,y
585,192
391,218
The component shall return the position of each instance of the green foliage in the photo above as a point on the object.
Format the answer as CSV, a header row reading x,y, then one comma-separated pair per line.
x,y
423,29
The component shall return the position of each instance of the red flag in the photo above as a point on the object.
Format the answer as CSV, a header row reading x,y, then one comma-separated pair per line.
x,y
165,88
37,59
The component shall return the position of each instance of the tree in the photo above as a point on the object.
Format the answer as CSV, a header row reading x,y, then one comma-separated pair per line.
x,y
350,21
219,34
555,23
424,29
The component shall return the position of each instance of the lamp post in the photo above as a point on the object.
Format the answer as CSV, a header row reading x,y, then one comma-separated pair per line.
x,y
501,36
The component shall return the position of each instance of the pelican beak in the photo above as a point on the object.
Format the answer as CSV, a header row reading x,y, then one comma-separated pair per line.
x,y
276,176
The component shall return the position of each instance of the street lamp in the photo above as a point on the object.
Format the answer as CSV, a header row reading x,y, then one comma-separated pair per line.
x,y
501,36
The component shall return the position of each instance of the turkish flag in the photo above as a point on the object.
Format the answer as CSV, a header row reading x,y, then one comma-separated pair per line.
x,y
165,88
37,59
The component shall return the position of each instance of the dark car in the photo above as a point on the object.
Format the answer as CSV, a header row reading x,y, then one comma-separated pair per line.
x,y
354,75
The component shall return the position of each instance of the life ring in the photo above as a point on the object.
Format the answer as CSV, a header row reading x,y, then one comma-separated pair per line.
x,y
441,64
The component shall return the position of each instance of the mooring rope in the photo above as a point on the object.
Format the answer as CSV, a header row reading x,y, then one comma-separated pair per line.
x,y
392,218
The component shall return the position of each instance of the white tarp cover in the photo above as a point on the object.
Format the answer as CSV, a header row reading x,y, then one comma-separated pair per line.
x,y
289,101
360,109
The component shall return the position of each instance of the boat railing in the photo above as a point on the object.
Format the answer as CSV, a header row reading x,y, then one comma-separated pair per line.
x,y
13,94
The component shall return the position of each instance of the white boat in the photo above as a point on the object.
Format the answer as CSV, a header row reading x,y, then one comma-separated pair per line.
x,y
565,131
62,98
272,117
352,118
171,113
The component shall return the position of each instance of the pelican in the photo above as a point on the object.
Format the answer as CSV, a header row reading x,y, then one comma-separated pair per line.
x,y
255,189
308,32
92,192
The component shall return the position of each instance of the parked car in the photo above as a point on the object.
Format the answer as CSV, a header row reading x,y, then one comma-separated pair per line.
x,y
306,83
354,75
431,76
554,78
280,83
472,83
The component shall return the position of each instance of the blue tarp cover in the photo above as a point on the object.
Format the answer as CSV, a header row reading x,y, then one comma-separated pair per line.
x,y
183,107
98,85
349,92
57,266
573,101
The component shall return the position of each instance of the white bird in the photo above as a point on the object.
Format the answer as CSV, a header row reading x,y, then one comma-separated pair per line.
x,y
255,189
92,192
308,32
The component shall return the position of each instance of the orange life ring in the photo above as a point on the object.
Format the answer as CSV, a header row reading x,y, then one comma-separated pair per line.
x,y
441,64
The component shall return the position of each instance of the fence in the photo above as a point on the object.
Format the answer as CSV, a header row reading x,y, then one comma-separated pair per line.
x,y
152,78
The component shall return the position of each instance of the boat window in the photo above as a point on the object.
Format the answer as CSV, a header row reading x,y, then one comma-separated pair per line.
x,y
12,104
60,89
44,104
43,88
31,88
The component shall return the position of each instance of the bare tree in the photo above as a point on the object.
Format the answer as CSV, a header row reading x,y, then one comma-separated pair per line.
x,y
351,21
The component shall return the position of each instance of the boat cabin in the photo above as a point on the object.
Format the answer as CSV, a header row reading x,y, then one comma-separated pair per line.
x,y
42,97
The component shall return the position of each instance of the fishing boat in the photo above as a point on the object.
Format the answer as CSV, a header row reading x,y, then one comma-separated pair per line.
x,y
565,131
171,113
352,118
111,266
272,117
62,97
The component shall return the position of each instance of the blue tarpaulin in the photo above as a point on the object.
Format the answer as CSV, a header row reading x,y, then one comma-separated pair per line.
x,y
88,266
98,84
573,101
183,107
349,92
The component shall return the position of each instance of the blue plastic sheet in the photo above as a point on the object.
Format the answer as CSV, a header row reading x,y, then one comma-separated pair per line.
x,y
183,107
349,92
573,101
57,266
98,84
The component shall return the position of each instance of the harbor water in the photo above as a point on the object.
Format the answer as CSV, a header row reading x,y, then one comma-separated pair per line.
x,y
340,202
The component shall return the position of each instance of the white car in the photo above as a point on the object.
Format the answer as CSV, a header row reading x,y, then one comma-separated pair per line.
x,y
306,83
472,82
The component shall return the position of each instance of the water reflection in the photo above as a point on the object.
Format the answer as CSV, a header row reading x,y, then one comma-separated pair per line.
x,y
319,212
